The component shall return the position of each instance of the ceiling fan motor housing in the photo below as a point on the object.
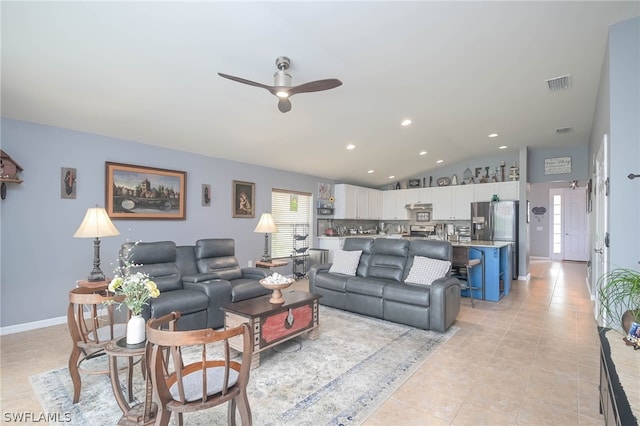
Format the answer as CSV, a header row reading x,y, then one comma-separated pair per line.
x,y
281,78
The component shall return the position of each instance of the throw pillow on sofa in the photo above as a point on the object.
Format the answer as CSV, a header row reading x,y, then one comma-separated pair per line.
x,y
426,270
345,262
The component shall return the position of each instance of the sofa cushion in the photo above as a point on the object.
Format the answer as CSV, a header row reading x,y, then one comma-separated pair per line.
x,y
345,262
426,270
217,255
388,260
366,246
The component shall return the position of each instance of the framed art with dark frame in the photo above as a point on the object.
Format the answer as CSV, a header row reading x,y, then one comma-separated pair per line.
x,y
243,199
139,192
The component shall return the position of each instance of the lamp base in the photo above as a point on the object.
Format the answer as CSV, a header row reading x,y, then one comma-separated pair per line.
x,y
96,276
265,258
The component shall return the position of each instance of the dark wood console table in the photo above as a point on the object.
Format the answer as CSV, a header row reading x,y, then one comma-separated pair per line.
x,y
615,403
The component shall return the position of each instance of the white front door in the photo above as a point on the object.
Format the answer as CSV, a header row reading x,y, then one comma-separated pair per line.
x,y
576,226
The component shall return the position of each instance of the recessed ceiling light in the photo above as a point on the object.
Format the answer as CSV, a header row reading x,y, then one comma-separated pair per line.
x,y
493,135
391,177
406,122
503,147
440,161
351,146
423,152
371,171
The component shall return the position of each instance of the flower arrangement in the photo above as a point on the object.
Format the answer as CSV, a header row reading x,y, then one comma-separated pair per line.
x,y
136,287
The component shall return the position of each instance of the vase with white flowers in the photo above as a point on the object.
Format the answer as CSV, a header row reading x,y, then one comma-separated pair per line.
x,y
136,288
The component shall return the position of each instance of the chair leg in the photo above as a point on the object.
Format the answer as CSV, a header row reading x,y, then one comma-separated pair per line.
x,y
74,373
162,417
243,407
469,286
231,412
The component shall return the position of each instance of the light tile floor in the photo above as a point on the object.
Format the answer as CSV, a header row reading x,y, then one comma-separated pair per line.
x,y
531,359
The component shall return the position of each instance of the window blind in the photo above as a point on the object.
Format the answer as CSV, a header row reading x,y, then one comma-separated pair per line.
x,y
291,211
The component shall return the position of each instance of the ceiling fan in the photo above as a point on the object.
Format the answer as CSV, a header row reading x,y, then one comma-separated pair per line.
x,y
282,84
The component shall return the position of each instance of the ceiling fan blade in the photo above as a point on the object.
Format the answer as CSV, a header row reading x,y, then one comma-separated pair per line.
x,y
245,81
315,86
284,104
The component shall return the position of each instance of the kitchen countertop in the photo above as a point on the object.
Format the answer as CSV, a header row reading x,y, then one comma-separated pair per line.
x,y
480,243
365,236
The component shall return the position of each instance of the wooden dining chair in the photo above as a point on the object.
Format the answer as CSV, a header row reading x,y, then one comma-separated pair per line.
x,y
92,324
208,381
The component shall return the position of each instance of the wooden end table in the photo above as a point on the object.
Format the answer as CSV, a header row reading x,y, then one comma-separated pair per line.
x,y
271,324
140,414
272,264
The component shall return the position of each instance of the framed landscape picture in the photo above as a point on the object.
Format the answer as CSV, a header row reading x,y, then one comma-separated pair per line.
x,y
138,192
243,199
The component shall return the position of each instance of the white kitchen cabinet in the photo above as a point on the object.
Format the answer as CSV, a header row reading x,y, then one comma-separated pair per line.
x,y
332,244
504,190
452,202
393,203
374,198
356,202
508,190
345,203
419,195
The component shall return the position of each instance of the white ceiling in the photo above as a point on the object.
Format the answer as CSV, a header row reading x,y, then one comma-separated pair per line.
x,y
147,72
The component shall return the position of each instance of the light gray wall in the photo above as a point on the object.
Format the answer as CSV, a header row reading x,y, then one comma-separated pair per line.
x,y
624,128
41,261
579,163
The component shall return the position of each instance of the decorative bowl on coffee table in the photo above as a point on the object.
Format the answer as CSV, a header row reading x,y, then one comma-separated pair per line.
x,y
276,295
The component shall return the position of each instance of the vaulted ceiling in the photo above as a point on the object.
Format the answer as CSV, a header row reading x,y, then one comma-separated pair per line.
x,y
147,72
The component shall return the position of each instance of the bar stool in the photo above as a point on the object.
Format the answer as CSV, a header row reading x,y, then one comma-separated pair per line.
x,y
464,264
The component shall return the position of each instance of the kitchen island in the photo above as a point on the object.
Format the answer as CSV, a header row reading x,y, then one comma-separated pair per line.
x,y
497,267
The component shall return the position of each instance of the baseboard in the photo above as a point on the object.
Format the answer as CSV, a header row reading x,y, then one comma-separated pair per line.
x,y
19,328
524,277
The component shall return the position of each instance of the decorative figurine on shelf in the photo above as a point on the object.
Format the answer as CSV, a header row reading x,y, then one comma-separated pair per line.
x,y
514,172
502,164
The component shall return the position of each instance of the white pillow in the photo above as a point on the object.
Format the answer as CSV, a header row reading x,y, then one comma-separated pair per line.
x,y
426,270
345,262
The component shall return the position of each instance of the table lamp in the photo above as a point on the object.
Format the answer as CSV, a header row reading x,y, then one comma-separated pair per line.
x,y
267,226
96,224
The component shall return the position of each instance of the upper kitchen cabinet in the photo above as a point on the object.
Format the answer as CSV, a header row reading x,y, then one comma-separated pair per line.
x,y
393,203
504,190
452,202
355,202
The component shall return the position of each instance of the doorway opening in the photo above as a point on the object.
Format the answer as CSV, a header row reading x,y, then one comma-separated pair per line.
x,y
569,239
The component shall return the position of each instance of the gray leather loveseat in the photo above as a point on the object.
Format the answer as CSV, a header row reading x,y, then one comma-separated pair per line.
x,y
380,287
195,280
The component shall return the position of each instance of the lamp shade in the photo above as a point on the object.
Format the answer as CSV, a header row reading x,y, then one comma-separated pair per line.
x,y
96,224
266,224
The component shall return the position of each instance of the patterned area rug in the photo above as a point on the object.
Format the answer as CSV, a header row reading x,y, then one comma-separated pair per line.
x,y
340,378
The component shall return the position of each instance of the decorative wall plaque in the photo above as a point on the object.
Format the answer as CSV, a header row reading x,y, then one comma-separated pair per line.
x,y
558,165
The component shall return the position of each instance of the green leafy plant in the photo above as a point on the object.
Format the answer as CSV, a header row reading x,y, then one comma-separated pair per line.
x,y
619,294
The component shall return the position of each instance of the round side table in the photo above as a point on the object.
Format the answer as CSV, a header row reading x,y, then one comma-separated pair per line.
x,y
140,414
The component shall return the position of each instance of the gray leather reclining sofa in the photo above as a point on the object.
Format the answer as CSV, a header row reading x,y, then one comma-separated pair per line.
x,y
378,288
195,280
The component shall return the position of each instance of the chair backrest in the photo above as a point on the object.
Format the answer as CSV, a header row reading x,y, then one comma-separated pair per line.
x,y
209,377
218,255
158,260
91,318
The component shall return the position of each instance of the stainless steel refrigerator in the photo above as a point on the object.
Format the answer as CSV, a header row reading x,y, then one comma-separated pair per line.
x,y
497,221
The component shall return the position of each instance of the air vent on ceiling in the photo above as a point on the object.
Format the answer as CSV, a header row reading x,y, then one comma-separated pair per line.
x,y
559,83
563,130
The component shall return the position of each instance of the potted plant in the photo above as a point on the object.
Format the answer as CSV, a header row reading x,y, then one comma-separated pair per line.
x,y
619,294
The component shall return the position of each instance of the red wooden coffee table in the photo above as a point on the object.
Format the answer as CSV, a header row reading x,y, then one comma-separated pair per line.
x,y
272,324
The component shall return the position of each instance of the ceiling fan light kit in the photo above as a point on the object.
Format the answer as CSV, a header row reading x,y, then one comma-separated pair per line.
x,y
282,87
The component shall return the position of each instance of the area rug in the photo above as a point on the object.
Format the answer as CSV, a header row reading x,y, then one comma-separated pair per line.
x,y
340,378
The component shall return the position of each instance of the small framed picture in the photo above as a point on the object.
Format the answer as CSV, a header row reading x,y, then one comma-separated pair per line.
x,y
68,183
206,195
243,199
